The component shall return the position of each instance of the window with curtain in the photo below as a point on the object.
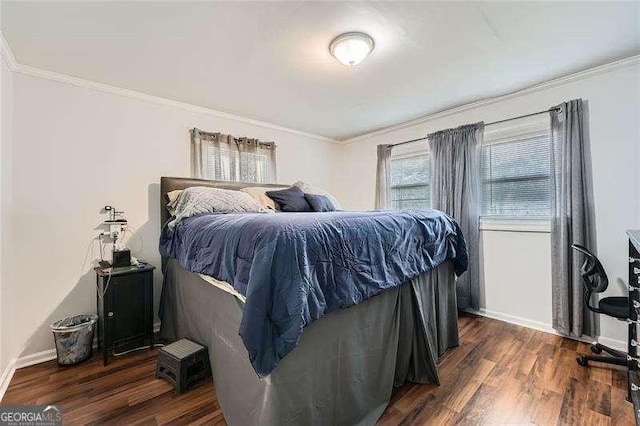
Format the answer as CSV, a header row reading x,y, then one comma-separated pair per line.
x,y
233,165
515,173
410,176
217,156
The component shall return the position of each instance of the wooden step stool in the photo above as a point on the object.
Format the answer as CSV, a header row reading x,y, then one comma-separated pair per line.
x,y
183,363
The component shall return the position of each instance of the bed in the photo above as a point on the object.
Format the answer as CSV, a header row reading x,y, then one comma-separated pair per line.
x,y
344,365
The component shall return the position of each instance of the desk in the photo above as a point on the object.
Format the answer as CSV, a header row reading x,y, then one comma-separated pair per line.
x,y
634,308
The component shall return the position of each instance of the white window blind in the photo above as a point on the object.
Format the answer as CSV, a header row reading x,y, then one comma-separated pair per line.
x,y
515,176
233,165
217,156
410,177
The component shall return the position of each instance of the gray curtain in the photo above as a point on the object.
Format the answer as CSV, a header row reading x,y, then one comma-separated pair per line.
x,y
257,160
572,218
217,156
383,177
455,183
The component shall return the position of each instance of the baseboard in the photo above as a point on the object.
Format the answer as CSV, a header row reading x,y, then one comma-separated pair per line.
x,y
512,319
620,345
49,354
544,327
36,358
6,377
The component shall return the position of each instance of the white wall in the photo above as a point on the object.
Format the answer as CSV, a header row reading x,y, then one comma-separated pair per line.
x,y
6,108
76,150
517,267
517,272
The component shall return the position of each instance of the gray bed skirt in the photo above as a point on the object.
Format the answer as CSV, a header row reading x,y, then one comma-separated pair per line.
x,y
345,366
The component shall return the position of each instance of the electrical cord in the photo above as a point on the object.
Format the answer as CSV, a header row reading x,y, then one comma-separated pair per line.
x,y
157,345
102,293
101,246
89,253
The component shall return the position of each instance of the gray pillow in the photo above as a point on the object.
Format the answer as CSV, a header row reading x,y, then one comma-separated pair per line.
x,y
200,199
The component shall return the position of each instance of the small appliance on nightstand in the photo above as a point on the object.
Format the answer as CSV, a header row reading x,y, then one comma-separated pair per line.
x,y
125,307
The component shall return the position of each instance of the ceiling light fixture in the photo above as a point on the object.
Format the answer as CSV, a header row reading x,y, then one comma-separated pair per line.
x,y
351,48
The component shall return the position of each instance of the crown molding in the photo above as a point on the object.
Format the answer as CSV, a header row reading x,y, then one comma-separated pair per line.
x,y
7,54
570,78
8,57
101,87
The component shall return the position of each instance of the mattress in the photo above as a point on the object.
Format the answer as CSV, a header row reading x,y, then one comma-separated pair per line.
x,y
226,287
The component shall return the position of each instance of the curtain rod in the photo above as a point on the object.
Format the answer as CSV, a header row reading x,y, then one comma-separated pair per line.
x,y
195,129
489,124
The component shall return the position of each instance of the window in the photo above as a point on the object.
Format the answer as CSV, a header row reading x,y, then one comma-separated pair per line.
x,y
217,156
410,175
233,165
515,174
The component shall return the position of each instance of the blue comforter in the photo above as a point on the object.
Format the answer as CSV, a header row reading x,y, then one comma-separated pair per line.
x,y
294,268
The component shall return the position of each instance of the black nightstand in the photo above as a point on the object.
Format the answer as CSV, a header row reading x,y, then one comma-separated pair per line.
x,y
125,307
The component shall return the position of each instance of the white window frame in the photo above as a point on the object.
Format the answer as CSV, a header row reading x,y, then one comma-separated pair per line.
x,y
508,131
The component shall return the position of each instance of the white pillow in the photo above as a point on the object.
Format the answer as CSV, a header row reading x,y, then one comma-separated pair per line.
x,y
200,199
310,189
260,194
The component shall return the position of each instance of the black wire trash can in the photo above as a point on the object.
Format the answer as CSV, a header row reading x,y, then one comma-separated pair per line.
x,y
74,338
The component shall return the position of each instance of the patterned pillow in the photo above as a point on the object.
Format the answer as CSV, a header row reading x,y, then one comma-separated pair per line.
x,y
199,199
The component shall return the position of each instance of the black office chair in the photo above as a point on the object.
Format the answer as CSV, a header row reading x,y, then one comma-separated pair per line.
x,y
595,281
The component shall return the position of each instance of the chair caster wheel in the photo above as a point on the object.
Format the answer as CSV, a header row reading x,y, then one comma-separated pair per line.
x,y
596,349
582,360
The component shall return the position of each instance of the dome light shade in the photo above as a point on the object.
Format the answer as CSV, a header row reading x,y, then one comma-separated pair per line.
x,y
351,48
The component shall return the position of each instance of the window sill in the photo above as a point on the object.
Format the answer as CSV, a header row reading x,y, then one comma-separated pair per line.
x,y
515,225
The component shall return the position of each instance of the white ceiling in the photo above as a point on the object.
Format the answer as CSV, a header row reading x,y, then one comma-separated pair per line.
x,y
269,61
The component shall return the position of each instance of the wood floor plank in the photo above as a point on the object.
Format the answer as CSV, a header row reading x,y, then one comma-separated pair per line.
x,y
520,412
479,407
500,374
596,419
599,398
573,403
621,410
505,402
466,390
547,408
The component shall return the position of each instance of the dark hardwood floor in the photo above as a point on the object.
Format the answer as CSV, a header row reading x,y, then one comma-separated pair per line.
x,y
500,374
